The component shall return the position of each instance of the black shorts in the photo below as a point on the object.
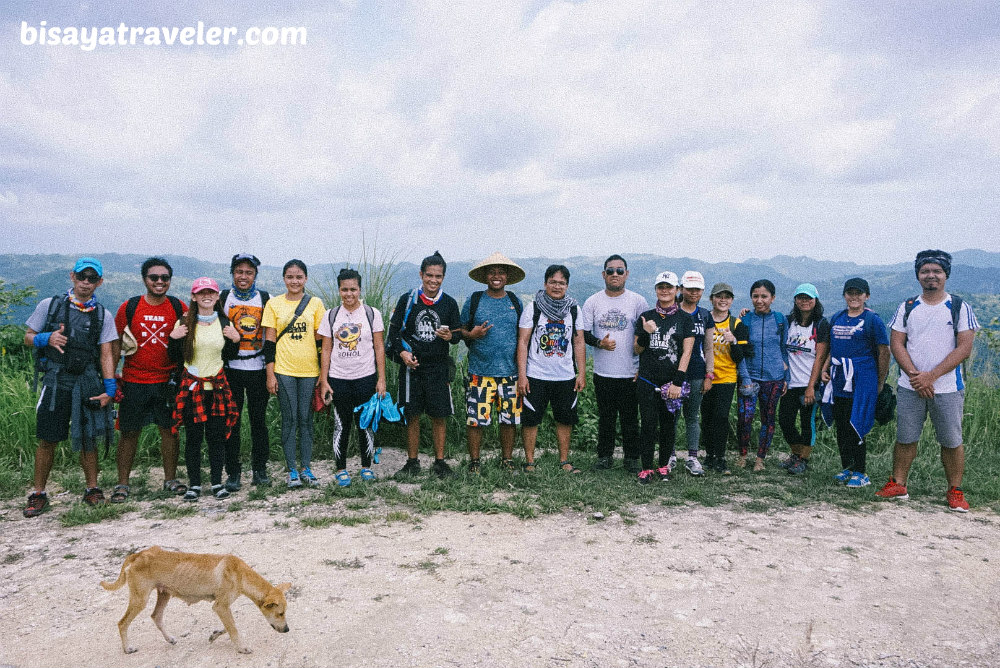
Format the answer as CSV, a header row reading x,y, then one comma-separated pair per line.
x,y
53,425
425,390
142,404
560,393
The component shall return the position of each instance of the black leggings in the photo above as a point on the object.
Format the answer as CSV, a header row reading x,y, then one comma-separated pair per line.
x,y
853,449
616,399
253,386
347,395
715,407
213,431
655,416
790,408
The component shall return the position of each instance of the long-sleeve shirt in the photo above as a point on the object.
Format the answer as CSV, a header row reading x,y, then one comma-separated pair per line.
x,y
770,354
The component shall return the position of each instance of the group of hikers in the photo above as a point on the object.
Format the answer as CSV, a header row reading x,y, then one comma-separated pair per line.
x,y
198,364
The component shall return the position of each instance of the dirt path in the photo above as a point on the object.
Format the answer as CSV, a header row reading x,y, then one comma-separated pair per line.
x,y
678,587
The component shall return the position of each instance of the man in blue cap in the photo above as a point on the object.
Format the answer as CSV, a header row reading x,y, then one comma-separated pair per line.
x,y
73,335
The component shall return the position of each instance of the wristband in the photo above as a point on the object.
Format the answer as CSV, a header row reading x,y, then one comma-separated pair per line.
x,y
710,375
110,386
270,347
42,339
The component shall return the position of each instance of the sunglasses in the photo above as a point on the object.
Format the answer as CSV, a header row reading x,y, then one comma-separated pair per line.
x,y
611,271
159,278
88,278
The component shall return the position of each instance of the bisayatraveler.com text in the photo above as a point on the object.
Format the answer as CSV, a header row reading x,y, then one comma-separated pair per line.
x,y
89,38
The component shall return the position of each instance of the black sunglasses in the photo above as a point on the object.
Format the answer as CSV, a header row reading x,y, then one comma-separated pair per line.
x,y
159,278
611,271
88,278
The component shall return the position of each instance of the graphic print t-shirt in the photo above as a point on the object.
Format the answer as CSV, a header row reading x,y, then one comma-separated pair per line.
x,y
151,326
725,367
801,343
857,339
420,331
930,336
703,321
296,351
550,349
246,317
352,353
658,362
614,316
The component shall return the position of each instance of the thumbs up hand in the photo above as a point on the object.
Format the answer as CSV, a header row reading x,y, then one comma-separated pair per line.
x,y
58,339
648,326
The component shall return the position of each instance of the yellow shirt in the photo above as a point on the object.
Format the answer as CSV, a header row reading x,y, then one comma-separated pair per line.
x,y
725,368
296,351
207,357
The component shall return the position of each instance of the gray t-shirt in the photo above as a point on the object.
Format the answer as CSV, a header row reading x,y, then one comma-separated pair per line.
x,y
37,320
616,317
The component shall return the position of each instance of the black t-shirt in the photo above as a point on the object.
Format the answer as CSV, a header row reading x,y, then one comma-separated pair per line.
x,y
664,347
421,325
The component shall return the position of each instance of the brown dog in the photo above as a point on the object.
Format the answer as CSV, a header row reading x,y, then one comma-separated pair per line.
x,y
221,578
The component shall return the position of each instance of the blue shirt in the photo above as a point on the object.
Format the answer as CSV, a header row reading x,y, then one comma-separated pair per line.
x,y
857,339
493,355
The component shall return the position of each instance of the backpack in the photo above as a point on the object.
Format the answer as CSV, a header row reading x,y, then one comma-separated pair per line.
x,y
956,311
97,316
129,343
477,296
369,313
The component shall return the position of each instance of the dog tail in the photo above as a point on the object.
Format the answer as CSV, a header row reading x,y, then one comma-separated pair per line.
x,y
120,582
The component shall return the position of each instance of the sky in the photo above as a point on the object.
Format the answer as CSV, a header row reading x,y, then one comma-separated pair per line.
x,y
719,130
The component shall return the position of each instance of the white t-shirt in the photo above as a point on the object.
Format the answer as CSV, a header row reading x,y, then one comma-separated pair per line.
x,y
550,349
614,316
930,336
801,344
352,354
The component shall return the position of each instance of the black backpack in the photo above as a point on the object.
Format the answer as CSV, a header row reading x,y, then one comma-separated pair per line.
x,y
133,304
52,322
369,313
956,311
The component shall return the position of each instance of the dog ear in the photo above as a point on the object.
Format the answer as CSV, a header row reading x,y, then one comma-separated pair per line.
x,y
270,604
284,587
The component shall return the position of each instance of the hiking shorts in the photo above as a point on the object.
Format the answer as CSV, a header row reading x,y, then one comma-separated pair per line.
x,y
483,394
53,425
945,411
426,390
142,404
560,393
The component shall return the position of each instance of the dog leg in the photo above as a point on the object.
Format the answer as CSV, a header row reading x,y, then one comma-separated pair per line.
x,y
162,598
136,602
226,615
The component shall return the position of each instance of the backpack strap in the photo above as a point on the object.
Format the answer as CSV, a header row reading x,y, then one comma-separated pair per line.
x,y
223,296
518,306
130,308
178,307
956,312
474,300
264,296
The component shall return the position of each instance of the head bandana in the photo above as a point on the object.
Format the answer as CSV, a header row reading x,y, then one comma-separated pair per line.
x,y
933,257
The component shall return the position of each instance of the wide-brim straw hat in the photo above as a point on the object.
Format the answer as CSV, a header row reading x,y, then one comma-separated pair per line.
x,y
514,273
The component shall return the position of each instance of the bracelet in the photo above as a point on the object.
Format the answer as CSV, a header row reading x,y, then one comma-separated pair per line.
x,y
710,375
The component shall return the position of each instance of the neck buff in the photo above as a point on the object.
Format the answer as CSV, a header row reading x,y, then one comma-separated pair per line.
x,y
666,311
208,318
427,300
245,295
83,307
554,309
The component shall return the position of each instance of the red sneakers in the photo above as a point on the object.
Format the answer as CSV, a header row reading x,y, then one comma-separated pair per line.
x,y
893,490
956,500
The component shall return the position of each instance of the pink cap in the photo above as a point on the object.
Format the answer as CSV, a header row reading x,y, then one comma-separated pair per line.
x,y
204,283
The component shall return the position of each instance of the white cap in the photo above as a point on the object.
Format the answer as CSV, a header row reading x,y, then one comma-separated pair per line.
x,y
693,279
666,277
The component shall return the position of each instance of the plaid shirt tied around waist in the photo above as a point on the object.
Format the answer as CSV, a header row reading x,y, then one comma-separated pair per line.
x,y
192,392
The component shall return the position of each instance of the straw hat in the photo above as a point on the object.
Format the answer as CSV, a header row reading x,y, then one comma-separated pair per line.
x,y
514,273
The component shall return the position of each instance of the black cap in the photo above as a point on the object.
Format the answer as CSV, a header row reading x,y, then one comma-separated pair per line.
x,y
857,284
243,257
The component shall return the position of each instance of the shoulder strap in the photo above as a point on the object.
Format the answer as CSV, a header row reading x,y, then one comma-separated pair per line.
x,y
223,296
908,306
50,315
332,318
370,314
535,315
474,300
518,307
264,296
178,307
130,308
956,313
299,310
572,319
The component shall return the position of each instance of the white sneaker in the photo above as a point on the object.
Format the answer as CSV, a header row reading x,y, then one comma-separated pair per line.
x,y
672,462
694,466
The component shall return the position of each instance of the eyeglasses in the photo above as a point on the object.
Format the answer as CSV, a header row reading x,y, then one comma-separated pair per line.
x,y
159,278
556,283
611,271
89,278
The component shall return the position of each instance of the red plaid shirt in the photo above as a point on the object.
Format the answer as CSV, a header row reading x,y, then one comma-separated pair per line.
x,y
193,392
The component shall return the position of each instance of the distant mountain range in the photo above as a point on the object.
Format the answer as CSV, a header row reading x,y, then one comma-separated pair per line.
x,y
975,276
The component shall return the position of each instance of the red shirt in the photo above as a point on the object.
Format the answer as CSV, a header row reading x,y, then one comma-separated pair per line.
x,y
151,326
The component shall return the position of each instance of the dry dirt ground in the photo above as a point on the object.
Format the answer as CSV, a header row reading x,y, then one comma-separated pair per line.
x,y
673,586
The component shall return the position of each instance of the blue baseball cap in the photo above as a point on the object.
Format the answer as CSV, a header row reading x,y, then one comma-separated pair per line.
x,y
88,262
807,289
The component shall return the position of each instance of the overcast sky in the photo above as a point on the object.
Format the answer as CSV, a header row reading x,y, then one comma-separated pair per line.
x,y
718,130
